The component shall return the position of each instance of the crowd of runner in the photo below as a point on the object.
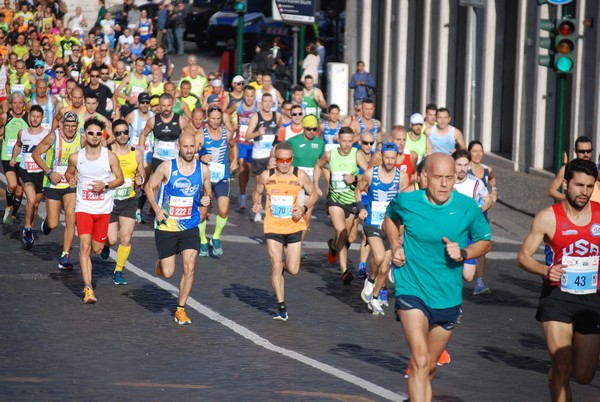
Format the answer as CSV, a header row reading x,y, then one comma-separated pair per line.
x,y
98,126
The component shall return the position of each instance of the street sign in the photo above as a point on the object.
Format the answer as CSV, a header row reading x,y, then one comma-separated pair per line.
x,y
294,11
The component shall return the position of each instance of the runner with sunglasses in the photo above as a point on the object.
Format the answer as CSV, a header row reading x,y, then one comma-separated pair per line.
x,y
96,173
122,217
52,155
285,218
583,150
294,129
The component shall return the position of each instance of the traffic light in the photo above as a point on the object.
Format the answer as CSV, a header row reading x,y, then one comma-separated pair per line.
x,y
241,6
547,42
566,37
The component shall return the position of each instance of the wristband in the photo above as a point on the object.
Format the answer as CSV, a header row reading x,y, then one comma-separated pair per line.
x,y
464,254
49,173
105,185
360,205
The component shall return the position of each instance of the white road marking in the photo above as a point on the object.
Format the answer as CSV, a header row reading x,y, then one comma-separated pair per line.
x,y
262,342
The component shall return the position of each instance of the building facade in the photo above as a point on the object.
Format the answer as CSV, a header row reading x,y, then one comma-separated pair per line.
x,y
481,62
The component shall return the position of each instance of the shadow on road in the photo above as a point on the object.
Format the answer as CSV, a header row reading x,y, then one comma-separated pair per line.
x,y
260,299
386,360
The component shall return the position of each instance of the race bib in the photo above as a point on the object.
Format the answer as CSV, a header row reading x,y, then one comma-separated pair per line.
x,y
135,91
30,164
337,181
109,105
62,170
311,110
329,147
17,88
166,149
144,31
242,132
581,275
91,195
10,145
180,208
67,52
309,171
123,192
281,206
217,171
47,126
378,212
266,142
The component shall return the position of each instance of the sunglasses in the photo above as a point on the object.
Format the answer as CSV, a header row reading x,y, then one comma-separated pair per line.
x,y
311,128
121,132
238,83
96,133
144,102
39,66
584,151
368,143
297,114
76,50
94,75
286,160
59,71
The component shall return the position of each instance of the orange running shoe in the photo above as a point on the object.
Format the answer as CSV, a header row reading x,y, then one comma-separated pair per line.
x,y
444,358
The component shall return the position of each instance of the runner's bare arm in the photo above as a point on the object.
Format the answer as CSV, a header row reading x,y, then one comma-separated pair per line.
x,y
543,226
159,176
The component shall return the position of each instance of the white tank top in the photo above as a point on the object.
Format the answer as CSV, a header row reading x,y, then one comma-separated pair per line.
x,y
88,171
3,79
29,143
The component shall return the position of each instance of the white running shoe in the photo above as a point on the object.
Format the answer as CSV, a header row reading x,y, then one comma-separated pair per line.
x,y
377,309
367,292
258,217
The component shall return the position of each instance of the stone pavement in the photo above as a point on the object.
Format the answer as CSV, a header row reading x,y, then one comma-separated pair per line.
x,y
126,346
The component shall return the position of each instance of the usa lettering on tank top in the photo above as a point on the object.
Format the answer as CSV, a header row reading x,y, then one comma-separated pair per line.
x,y
570,244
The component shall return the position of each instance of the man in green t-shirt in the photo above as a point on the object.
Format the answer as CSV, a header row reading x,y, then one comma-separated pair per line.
x,y
307,149
430,256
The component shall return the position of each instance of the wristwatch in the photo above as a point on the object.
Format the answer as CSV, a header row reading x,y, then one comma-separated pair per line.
x,y
105,185
463,254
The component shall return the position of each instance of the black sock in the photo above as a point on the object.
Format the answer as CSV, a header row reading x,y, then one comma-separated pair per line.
x,y
348,244
142,200
178,306
16,206
10,198
281,306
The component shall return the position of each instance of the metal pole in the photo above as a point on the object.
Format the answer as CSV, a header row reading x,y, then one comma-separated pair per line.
x,y
301,50
240,44
561,109
295,30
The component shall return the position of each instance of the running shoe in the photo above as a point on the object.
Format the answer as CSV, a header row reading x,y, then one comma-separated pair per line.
x,y
362,270
481,290
105,252
28,238
139,218
158,270
64,263
347,277
216,246
444,358
367,292
281,316
119,279
383,297
203,250
45,229
257,217
181,317
88,295
331,253
377,309
8,218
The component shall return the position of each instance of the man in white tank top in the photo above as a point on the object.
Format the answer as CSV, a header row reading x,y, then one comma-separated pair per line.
x,y
95,172
444,137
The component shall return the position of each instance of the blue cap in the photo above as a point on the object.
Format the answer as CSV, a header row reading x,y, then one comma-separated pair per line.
x,y
389,146
213,98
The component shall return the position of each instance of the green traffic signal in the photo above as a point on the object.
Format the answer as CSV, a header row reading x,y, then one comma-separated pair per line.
x,y
240,6
566,37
